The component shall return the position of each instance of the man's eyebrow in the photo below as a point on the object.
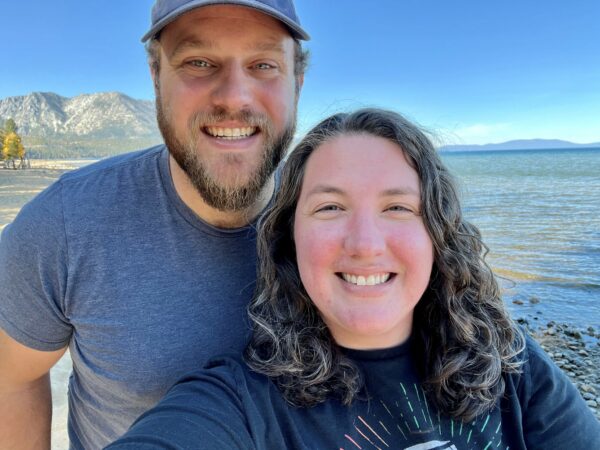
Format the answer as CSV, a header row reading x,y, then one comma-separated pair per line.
x,y
207,44
192,43
267,46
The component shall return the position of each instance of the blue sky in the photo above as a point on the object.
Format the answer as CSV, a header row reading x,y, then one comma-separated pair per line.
x,y
469,71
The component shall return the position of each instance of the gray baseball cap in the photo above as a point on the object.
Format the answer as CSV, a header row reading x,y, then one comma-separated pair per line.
x,y
166,11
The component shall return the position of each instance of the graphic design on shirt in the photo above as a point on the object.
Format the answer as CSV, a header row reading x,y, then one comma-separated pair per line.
x,y
411,422
433,445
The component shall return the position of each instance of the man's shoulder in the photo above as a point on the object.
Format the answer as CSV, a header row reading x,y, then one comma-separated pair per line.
x,y
140,159
91,188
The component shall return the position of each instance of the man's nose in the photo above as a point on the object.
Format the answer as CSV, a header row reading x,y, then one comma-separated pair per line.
x,y
233,91
364,238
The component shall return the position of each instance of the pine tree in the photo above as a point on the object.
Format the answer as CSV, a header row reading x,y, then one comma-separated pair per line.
x,y
10,126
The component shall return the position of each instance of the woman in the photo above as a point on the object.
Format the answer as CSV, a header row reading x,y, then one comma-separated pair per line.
x,y
377,323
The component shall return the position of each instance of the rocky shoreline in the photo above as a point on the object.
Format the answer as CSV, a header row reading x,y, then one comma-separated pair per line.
x,y
576,352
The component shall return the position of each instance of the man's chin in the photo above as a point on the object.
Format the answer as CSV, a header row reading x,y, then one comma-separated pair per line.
x,y
232,175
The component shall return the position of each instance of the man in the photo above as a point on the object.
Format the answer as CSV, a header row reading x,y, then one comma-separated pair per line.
x,y
143,264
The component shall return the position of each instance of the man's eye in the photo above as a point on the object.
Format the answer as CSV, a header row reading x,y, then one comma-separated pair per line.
x,y
199,63
264,66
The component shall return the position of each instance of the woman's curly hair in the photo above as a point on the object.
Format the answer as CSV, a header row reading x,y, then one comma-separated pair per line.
x,y
460,325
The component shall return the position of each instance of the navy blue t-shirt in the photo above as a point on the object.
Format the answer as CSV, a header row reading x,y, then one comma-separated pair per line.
x,y
227,406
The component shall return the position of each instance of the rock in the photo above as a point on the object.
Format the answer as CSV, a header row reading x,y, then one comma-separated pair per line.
x,y
589,396
517,302
574,334
591,403
534,300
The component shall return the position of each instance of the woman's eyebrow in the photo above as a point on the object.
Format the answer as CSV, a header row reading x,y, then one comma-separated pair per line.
x,y
324,189
400,191
328,189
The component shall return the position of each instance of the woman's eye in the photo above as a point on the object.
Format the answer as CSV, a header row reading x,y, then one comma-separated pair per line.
x,y
399,208
329,208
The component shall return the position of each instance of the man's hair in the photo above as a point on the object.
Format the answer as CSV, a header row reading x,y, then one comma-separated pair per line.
x,y
301,56
460,327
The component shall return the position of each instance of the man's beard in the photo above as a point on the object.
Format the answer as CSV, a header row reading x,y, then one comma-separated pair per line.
x,y
235,196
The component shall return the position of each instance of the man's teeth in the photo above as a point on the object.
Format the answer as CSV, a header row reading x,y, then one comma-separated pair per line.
x,y
231,133
370,280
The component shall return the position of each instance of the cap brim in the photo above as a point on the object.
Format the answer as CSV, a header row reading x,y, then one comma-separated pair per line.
x,y
296,31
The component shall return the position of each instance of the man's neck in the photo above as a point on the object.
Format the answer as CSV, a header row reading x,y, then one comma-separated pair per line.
x,y
221,219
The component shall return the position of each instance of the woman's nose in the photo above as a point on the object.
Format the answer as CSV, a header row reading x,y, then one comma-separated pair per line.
x,y
364,237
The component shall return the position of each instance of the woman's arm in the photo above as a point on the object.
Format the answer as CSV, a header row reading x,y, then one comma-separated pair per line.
x,y
202,410
554,414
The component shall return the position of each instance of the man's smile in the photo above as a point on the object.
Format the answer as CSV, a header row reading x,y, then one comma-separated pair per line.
x,y
230,133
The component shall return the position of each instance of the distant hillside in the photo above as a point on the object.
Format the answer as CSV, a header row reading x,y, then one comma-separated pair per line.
x,y
90,125
522,144
102,124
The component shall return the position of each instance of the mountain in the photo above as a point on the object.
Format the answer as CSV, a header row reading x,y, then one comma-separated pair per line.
x,y
102,124
521,144
89,125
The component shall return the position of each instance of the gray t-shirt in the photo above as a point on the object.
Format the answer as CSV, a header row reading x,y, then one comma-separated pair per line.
x,y
111,262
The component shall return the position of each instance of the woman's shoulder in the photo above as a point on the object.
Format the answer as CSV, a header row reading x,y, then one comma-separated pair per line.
x,y
536,363
547,404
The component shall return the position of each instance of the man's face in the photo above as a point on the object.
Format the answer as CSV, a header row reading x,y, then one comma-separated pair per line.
x,y
226,100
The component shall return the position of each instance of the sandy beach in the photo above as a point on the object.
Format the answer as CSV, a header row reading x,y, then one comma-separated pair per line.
x,y
59,376
16,189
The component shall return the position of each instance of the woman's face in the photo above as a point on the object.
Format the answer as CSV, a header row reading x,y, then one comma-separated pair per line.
x,y
363,252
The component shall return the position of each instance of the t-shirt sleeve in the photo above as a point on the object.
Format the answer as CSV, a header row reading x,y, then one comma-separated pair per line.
x,y
554,414
33,274
202,410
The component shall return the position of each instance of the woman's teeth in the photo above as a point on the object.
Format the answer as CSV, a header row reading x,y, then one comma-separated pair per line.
x,y
231,133
370,280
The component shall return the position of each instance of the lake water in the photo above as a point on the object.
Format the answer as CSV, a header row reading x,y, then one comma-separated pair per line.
x,y
539,213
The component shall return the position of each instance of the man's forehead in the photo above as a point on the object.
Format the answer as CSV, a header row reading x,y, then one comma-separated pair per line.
x,y
194,30
233,13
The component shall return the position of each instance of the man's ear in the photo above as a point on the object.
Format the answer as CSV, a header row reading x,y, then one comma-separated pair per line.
x,y
299,84
153,67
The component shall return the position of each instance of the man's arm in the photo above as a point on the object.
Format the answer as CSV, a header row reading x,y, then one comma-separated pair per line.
x,y
25,396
